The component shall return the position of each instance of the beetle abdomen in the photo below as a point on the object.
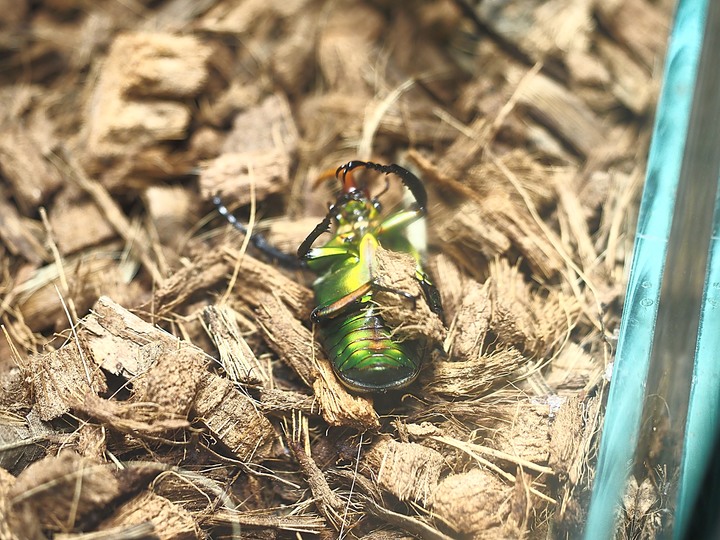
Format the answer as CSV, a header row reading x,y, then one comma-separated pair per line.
x,y
364,354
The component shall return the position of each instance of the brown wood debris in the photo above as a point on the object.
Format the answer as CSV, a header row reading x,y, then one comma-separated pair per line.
x,y
256,155
236,357
475,502
409,471
410,319
135,101
234,419
160,376
59,491
22,164
169,521
61,379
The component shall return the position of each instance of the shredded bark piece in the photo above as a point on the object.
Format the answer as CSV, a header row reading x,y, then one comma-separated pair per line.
x,y
470,378
61,490
234,419
22,164
410,320
256,155
121,342
409,471
169,521
475,502
62,378
236,357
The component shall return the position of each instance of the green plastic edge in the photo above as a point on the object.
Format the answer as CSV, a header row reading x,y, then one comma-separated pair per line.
x,y
625,400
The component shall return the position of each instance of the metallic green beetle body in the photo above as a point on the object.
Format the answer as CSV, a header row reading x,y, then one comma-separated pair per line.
x,y
358,342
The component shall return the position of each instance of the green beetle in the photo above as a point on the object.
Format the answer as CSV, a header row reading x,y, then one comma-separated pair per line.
x,y
364,353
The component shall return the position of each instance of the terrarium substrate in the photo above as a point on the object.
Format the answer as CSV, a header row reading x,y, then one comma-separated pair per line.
x,y
160,375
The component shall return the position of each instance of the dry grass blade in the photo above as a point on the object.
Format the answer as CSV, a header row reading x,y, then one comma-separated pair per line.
x,y
328,503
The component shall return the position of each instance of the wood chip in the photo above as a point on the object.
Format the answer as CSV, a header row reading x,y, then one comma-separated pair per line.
x,y
236,357
62,378
17,235
22,164
256,156
408,320
121,342
70,208
234,420
169,521
409,471
295,345
475,502
60,490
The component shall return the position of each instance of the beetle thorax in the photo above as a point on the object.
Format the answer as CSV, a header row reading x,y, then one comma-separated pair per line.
x,y
356,217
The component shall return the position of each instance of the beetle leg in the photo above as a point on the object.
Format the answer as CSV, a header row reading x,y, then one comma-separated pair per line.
x,y
404,294
411,181
432,295
257,239
338,307
399,220
322,227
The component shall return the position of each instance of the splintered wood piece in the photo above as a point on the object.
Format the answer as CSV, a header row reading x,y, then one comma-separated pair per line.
x,y
563,113
573,370
525,431
270,519
639,25
22,164
472,322
295,345
256,156
409,319
256,279
328,503
452,283
121,342
234,419
143,420
571,437
409,471
169,520
173,379
473,502
62,378
288,337
205,270
472,378
492,221
70,208
17,236
236,357
337,405
253,279
506,312
25,441
281,401
63,489
140,66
